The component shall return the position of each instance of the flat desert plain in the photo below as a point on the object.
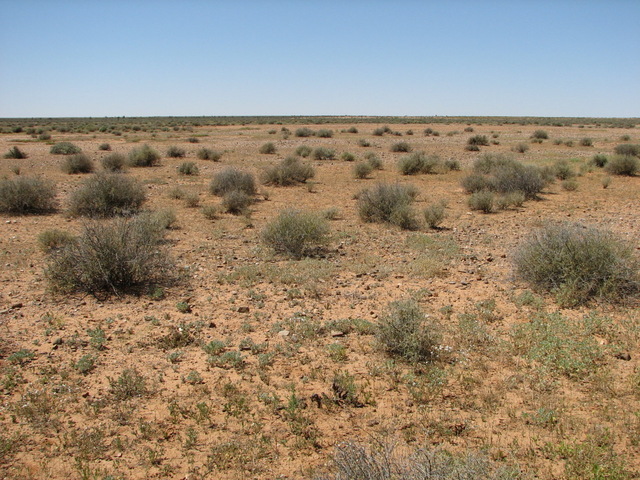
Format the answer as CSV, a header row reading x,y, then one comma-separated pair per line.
x,y
247,363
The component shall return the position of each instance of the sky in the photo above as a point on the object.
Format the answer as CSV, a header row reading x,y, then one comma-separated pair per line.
x,y
97,58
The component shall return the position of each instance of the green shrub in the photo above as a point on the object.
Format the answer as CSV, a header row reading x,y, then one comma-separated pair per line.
x,y
404,217
578,263
44,137
188,168
452,164
209,154
304,132
570,185
114,257
296,234
521,148
268,148
404,332
26,195
236,202
363,142
193,140
348,157
374,161
105,195
143,156
352,130
419,162
475,183
176,152
472,148
401,147
303,151
78,163
586,142
15,153
379,204
210,212
114,162
483,200
478,140
104,147
540,135
562,170
324,133
599,160
623,165
323,153
504,175
362,170
231,179
64,148
434,215
627,149
191,200
289,172
54,239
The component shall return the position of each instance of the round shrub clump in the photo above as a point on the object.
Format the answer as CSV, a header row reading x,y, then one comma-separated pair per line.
x,y
106,195
110,258
578,263
289,172
296,233
209,154
176,152
78,163
236,202
385,203
143,156
26,195
114,162
64,148
231,179
623,165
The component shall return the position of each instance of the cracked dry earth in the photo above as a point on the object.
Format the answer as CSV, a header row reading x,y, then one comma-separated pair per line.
x,y
303,371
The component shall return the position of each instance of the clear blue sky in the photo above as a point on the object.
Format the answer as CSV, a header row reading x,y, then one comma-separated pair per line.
x,y
97,58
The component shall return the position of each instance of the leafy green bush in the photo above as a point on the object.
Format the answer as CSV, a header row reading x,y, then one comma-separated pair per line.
x,y
209,154
114,162
64,148
599,160
304,132
231,179
143,156
105,195
26,195
540,135
562,170
289,172
114,257
324,133
627,149
419,162
296,234
401,147
268,148
385,203
323,153
404,332
188,168
15,153
578,263
176,152
78,163
586,142
303,151
623,165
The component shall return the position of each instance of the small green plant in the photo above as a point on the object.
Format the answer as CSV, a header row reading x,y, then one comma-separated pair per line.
x,y
348,157
188,168
129,384
606,181
599,160
15,153
296,234
64,148
55,239
374,160
107,194
569,185
85,364
78,163
521,148
404,332
268,148
143,156
578,263
586,142
304,132
209,154
26,195
363,142
562,170
176,152
21,357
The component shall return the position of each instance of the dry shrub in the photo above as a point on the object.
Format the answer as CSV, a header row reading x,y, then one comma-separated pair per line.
x,y
385,203
143,156
296,234
231,179
78,163
288,172
26,195
114,162
113,257
236,202
419,162
623,165
578,263
106,195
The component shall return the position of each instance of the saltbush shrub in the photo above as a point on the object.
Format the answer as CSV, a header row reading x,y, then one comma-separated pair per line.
x,y
114,162
483,201
623,165
627,149
105,147
289,172
323,153
578,263
401,147
64,148
188,168
380,203
478,140
236,202
231,179
26,195
405,333
540,135
303,151
347,157
268,148
78,163
374,161
106,194
562,170
176,152
110,258
324,133
362,170
209,154
419,162
143,156
434,215
599,160
15,153
296,233
304,132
